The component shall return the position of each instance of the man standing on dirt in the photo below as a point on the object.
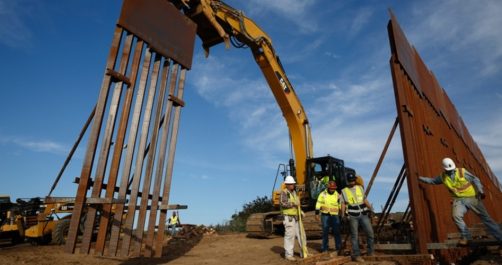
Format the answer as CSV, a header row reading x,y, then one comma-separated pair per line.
x,y
174,223
466,196
357,207
328,204
290,203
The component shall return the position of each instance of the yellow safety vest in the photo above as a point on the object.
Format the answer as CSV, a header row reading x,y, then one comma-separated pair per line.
x,y
459,187
355,202
325,180
292,198
328,203
173,220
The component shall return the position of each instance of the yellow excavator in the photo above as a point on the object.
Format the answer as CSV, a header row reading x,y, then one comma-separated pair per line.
x,y
218,22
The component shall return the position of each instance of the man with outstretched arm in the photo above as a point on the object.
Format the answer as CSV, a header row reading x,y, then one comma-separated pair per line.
x,y
467,193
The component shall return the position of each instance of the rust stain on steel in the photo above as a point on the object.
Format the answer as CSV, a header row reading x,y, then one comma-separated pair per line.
x,y
162,26
431,129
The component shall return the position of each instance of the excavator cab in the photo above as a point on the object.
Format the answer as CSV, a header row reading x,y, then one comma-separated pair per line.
x,y
320,171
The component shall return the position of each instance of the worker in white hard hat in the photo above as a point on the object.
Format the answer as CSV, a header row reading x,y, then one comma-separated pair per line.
x,y
290,203
467,192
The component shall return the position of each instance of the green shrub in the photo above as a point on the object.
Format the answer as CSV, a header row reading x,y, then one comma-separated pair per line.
x,y
238,221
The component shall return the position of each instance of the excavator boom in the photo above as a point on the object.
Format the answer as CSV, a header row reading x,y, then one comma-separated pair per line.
x,y
217,22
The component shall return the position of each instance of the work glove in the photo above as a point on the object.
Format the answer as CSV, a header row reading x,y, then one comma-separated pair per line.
x,y
317,218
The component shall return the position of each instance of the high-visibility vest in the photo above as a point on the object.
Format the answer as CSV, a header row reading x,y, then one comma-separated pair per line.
x,y
355,202
459,187
292,198
325,180
173,220
328,203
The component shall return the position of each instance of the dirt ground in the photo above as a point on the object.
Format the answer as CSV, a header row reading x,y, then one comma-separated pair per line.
x,y
208,249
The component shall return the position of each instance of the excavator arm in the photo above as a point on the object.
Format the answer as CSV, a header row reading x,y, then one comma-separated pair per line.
x,y
216,23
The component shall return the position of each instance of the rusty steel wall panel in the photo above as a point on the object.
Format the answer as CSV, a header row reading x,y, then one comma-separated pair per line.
x,y
119,215
431,129
162,26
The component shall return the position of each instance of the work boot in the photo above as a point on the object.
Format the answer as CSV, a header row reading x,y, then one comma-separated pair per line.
x,y
358,259
463,242
290,258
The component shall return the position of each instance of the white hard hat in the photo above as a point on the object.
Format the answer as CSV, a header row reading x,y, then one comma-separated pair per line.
x,y
289,180
448,164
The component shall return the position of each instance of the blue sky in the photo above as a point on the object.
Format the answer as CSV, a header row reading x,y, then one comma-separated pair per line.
x,y
232,134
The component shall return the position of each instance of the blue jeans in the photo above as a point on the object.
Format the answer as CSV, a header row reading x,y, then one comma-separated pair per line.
x,y
173,229
334,222
460,207
365,223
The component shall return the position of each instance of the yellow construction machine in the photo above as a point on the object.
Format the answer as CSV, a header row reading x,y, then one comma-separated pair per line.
x,y
218,22
35,220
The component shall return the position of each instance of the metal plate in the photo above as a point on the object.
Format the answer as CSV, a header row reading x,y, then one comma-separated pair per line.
x,y
162,26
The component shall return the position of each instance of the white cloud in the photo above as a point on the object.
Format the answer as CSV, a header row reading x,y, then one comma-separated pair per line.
x,y
359,141
361,19
487,133
293,10
13,30
250,103
215,81
305,51
331,55
469,29
44,146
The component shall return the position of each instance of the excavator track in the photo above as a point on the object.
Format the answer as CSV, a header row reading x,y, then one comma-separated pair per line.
x,y
269,225
264,225
313,228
